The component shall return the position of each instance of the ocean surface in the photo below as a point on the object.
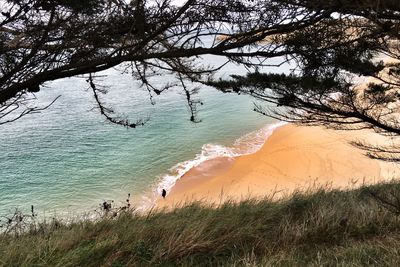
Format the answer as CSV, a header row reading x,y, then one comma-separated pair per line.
x,y
68,159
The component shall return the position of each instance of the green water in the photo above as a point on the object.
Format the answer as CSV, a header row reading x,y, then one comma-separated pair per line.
x,y
69,159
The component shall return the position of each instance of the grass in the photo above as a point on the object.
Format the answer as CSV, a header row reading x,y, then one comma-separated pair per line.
x,y
325,228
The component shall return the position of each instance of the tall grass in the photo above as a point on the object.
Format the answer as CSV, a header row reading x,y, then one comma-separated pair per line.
x,y
324,228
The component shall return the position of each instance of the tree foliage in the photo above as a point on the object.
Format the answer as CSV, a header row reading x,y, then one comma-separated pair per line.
x,y
42,41
330,45
346,73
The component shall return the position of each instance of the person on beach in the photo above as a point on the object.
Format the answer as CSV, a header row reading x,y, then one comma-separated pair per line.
x,y
163,193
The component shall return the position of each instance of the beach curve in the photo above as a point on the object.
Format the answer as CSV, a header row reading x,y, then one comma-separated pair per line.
x,y
292,158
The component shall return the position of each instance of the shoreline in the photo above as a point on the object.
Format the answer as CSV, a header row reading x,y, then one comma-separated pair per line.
x,y
210,155
292,158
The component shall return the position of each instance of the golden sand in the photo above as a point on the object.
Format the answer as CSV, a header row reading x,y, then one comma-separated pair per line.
x,y
292,158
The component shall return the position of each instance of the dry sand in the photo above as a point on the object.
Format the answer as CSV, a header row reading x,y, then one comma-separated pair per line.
x,y
292,158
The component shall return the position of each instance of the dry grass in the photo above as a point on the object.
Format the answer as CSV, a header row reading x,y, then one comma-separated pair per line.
x,y
323,228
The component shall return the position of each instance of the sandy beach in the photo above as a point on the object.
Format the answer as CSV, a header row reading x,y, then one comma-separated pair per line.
x,y
292,158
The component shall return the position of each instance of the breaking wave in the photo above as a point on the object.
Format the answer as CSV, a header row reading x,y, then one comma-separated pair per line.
x,y
245,145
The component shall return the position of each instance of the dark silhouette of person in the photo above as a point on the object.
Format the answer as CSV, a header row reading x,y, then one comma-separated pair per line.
x,y
164,193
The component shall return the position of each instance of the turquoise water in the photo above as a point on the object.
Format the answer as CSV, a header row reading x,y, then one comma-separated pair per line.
x,y
69,159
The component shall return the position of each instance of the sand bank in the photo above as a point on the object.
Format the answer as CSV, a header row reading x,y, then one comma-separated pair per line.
x,y
292,158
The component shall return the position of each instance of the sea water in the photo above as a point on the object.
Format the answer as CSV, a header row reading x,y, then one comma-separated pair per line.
x,y
68,159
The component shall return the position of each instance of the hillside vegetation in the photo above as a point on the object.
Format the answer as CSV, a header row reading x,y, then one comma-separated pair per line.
x,y
359,227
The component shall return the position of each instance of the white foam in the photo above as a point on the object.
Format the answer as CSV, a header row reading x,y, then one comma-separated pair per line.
x,y
253,141
208,151
245,145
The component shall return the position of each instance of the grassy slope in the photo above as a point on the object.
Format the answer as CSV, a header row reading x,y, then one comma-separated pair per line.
x,y
324,228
